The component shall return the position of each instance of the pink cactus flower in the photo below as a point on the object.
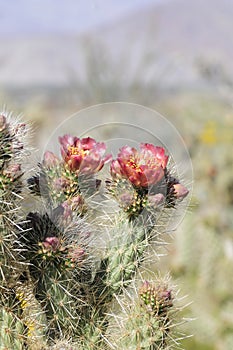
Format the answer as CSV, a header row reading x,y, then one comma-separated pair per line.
x,y
85,156
142,168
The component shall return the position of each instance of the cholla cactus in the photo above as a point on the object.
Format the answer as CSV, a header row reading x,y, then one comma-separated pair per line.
x,y
11,151
17,323
63,267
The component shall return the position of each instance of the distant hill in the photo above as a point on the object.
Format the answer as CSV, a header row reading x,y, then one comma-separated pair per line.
x,y
163,40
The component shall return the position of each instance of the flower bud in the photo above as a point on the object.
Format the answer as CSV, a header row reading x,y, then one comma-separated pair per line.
x,y
50,160
76,202
51,243
180,191
157,297
156,199
126,198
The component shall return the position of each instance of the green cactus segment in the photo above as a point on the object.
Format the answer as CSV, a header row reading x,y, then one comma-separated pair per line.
x,y
123,262
57,184
11,154
143,331
12,331
8,254
116,271
5,140
56,265
147,323
60,305
32,316
91,338
124,256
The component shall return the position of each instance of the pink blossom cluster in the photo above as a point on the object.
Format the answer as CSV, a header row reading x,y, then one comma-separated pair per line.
x,y
142,168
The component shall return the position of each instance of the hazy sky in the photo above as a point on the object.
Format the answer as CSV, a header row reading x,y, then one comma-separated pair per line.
x,y
25,17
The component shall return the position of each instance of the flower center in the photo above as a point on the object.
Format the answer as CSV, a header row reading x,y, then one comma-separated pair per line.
x,y
134,165
77,151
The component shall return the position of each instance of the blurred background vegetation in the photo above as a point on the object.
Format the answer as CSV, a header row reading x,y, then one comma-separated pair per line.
x,y
174,56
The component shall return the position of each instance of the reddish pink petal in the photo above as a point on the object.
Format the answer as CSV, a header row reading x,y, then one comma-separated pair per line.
x,y
157,153
154,175
127,152
107,158
115,168
77,143
88,143
74,161
100,148
90,164
66,140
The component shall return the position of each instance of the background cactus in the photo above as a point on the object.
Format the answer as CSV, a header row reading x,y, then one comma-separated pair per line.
x,y
12,152
63,268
